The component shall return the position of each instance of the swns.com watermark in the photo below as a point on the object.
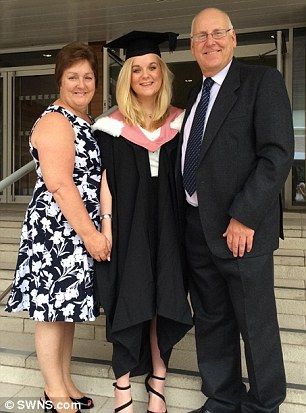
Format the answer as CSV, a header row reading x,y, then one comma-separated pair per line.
x,y
14,405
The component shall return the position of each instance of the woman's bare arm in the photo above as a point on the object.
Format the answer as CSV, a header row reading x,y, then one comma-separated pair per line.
x,y
53,137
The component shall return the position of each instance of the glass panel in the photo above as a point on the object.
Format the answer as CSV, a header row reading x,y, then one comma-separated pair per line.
x,y
186,76
32,95
1,128
114,70
42,57
267,60
299,112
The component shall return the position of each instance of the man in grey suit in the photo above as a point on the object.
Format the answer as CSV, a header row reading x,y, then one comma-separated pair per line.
x,y
236,152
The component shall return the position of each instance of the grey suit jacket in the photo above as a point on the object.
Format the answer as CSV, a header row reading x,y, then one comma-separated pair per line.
x,y
246,155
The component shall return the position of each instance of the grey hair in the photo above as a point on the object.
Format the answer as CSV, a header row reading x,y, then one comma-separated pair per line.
x,y
230,25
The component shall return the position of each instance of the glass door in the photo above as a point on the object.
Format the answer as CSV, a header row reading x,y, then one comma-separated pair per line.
x,y
32,91
3,131
2,196
299,118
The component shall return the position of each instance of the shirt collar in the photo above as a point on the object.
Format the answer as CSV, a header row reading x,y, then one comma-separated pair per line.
x,y
219,77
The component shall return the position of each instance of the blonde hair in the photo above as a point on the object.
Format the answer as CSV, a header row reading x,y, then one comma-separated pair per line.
x,y
129,105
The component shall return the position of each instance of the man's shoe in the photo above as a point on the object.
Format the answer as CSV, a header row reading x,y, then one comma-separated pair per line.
x,y
201,410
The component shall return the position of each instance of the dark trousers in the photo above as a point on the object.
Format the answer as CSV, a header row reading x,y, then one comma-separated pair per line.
x,y
232,297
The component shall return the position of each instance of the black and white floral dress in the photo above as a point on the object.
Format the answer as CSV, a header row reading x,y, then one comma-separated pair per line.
x,y
54,274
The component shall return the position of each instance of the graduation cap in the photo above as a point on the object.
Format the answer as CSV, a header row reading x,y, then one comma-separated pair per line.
x,y
138,43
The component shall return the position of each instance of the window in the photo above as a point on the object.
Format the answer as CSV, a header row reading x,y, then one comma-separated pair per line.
x,y
299,112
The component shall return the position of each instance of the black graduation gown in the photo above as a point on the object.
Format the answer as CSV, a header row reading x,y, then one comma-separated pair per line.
x,y
132,288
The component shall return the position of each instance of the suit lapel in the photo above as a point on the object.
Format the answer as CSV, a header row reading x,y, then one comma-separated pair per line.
x,y
223,104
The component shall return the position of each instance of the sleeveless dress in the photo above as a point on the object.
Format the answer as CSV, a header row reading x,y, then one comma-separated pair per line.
x,y
54,274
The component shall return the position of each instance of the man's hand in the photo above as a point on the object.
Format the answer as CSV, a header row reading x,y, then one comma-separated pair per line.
x,y
239,238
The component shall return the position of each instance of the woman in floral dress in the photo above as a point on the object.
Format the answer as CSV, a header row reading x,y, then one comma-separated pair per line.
x,y
60,236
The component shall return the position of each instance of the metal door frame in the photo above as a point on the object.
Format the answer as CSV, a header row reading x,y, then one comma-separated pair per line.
x,y
9,75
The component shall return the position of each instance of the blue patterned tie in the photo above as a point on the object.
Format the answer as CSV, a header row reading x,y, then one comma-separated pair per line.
x,y
195,139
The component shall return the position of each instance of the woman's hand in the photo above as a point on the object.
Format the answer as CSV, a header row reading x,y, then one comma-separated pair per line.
x,y
109,237
98,246
106,230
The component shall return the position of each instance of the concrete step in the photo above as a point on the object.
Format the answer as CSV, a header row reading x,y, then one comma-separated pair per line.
x,y
290,293
4,284
91,342
10,224
286,283
297,320
10,232
20,322
290,272
11,216
7,265
7,274
6,240
291,308
95,376
293,243
295,233
6,278
294,224
28,398
295,307
8,255
289,257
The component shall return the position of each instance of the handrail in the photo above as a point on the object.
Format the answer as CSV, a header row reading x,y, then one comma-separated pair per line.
x,y
5,292
15,176
24,170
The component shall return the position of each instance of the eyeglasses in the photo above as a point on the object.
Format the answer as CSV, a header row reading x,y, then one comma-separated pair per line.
x,y
216,34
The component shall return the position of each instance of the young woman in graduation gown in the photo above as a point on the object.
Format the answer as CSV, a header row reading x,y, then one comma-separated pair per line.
x,y
142,287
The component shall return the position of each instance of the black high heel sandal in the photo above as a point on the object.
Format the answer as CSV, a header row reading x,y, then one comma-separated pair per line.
x,y
150,389
49,407
84,402
126,404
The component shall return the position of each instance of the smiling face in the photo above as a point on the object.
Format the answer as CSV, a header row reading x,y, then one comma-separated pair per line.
x,y
77,86
146,78
212,55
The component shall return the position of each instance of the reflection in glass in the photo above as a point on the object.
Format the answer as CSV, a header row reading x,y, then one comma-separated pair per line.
x,y
32,95
114,70
1,128
299,111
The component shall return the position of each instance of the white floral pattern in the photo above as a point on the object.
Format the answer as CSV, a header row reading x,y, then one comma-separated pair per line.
x,y
54,274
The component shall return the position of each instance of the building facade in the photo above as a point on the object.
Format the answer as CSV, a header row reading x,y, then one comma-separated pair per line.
x,y
27,86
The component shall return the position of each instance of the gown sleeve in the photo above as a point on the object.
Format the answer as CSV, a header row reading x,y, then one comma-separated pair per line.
x,y
105,143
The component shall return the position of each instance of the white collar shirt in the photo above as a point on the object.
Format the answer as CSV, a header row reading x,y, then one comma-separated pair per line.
x,y
218,80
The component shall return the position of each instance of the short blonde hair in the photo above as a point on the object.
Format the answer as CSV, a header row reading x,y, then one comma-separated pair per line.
x,y
128,103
